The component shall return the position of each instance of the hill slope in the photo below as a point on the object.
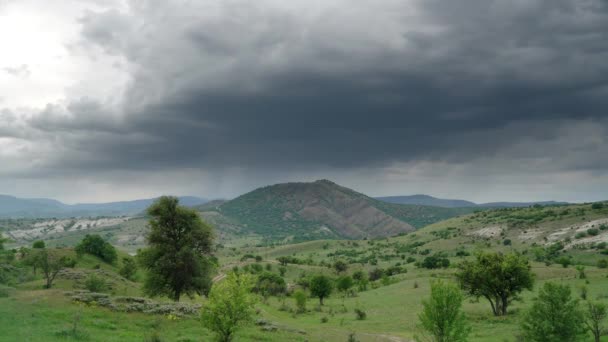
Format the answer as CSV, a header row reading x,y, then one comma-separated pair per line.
x,y
325,209
458,203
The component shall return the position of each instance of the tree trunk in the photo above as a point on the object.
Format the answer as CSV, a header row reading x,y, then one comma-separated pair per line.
x,y
321,300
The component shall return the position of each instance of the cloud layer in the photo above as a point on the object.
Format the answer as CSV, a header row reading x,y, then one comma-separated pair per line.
x,y
480,92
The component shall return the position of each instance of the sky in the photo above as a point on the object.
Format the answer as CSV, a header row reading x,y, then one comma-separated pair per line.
x,y
484,100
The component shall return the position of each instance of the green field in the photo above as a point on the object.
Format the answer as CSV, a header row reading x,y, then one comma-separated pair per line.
x,y
391,304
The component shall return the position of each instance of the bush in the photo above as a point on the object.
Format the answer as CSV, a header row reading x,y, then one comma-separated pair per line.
x,y
442,317
361,315
300,298
97,246
580,235
506,242
270,284
38,244
95,284
554,316
128,268
597,205
435,261
593,231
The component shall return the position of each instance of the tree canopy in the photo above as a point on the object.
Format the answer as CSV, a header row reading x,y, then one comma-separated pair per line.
x,y
321,287
497,277
97,246
179,258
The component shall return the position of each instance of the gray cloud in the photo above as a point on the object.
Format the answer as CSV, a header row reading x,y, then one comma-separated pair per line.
x,y
267,86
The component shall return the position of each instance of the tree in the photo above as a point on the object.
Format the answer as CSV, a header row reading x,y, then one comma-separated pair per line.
x,y
361,280
178,259
442,318
594,317
344,284
128,268
97,246
554,316
230,306
497,277
300,298
38,244
340,266
270,284
321,287
50,263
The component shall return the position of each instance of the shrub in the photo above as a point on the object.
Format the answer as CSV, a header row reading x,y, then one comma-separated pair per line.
x,y
128,268
506,242
375,274
554,316
602,263
324,319
442,317
597,205
435,261
38,244
97,246
300,298
270,284
593,231
95,284
361,315
580,235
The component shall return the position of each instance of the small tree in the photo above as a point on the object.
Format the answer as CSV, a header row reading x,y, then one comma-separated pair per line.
x,y
595,316
38,244
300,298
442,318
269,284
178,259
97,246
340,266
361,280
282,270
321,287
497,277
128,268
230,306
344,284
50,263
554,316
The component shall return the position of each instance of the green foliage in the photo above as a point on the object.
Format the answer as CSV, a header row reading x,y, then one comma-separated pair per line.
x,y
506,242
282,271
230,306
564,261
270,284
344,284
3,240
300,299
595,316
50,263
497,277
38,244
97,246
442,319
128,268
554,316
597,205
178,259
435,261
340,266
593,231
320,286
95,283
603,263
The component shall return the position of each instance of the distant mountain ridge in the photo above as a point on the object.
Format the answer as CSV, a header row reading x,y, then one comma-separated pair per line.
x,y
14,207
458,203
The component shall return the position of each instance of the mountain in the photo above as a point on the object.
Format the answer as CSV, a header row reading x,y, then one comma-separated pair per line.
x,y
325,209
13,207
428,200
458,203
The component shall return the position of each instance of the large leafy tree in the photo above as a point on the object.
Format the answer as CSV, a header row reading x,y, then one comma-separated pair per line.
x,y
230,306
179,258
442,319
554,316
497,277
321,287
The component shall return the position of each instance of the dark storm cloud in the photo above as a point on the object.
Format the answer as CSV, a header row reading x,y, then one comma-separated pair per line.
x,y
276,88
